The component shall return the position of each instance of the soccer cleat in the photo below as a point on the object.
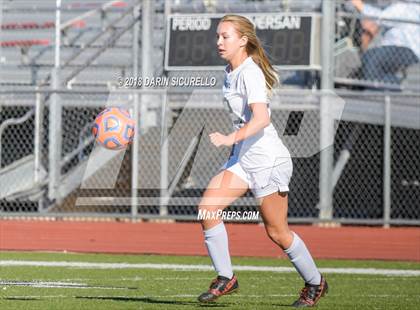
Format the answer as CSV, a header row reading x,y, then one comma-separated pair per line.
x,y
218,287
310,294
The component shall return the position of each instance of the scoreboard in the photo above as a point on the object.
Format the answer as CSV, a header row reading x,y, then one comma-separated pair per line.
x,y
291,40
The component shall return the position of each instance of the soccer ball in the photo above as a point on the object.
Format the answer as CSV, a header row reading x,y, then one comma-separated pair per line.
x,y
113,128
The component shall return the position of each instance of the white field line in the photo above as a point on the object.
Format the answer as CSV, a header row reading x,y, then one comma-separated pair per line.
x,y
194,296
86,265
52,284
141,296
35,296
193,278
47,284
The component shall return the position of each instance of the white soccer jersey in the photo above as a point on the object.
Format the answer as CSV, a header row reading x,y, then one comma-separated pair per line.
x,y
243,86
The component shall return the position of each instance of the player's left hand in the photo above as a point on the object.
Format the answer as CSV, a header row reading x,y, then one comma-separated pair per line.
x,y
219,139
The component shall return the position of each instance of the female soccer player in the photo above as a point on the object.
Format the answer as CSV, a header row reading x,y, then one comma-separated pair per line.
x,y
259,161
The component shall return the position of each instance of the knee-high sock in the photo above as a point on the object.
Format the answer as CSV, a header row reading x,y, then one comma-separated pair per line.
x,y
303,261
216,240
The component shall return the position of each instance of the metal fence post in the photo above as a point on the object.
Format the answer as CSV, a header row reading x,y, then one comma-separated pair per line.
x,y
164,144
135,146
54,143
146,57
387,161
54,136
164,156
327,124
38,140
39,115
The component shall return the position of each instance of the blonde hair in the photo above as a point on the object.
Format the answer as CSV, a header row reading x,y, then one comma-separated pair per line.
x,y
254,48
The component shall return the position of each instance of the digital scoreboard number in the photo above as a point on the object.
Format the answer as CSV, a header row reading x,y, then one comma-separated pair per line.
x,y
291,40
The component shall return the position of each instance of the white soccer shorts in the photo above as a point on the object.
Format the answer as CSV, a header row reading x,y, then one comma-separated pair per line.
x,y
265,181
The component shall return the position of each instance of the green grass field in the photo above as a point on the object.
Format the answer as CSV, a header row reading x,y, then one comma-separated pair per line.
x,y
137,288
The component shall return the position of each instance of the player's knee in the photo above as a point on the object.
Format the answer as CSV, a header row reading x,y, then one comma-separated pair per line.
x,y
279,236
209,216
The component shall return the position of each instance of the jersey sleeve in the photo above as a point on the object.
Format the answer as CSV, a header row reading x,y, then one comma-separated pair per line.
x,y
254,86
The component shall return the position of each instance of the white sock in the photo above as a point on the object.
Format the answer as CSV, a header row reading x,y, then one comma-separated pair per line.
x,y
303,261
216,240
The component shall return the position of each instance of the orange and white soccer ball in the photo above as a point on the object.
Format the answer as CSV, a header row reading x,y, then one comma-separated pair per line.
x,y
114,128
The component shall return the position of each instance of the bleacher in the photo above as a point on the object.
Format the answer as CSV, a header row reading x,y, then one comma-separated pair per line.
x,y
28,39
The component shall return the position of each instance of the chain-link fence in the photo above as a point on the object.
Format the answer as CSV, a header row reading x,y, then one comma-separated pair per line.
x,y
377,45
50,165
176,159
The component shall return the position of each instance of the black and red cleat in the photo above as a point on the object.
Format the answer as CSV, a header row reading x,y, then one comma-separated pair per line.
x,y
219,287
310,294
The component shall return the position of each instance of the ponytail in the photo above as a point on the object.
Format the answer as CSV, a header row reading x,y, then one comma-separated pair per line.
x,y
260,57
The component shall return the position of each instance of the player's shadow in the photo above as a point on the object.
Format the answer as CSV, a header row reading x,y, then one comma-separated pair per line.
x,y
153,301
